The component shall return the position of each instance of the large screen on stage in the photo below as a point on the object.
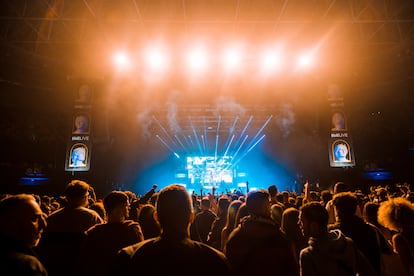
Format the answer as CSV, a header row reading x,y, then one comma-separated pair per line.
x,y
209,170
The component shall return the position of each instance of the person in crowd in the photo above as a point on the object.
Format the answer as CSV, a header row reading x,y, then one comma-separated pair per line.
x,y
242,212
214,237
273,192
391,263
286,200
354,227
136,202
257,247
397,214
338,188
98,207
381,195
276,211
290,227
230,221
202,222
172,253
59,248
103,241
149,226
21,225
370,215
299,200
328,252
74,217
326,196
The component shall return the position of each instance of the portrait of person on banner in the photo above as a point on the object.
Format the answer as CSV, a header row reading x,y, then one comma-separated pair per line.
x,y
84,93
338,121
81,124
334,93
78,156
341,151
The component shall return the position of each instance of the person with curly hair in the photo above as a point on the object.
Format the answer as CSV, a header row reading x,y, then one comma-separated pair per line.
x,y
397,214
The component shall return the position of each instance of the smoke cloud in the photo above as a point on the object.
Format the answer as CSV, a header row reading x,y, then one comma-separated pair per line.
x,y
145,120
227,104
285,119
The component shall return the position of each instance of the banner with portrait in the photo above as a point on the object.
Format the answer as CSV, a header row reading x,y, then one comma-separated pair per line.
x,y
78,150
78,157
341,153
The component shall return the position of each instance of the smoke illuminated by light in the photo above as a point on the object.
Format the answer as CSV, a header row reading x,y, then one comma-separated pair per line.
x,y
305,61
231,58
156,58
121,60
270,61
197,59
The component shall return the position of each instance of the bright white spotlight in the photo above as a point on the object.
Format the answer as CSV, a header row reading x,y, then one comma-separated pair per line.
x,y
121,60
156,58
231,58
197,59
270,61
305,61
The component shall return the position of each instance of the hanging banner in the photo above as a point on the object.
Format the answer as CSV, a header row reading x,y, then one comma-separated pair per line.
x,y
341,153
78,150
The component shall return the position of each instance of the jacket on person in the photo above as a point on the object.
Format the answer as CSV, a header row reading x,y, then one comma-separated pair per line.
x,y
258,247
333,254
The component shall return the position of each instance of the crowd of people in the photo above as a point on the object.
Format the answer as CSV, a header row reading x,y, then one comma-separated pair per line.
x,y
262,232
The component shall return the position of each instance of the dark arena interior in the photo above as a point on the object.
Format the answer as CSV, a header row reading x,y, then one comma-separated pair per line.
x,y
224,94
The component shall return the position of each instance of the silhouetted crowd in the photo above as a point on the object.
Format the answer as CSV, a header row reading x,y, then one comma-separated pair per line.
x,y
174,232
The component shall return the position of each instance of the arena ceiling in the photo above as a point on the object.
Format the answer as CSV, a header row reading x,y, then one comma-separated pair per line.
x,y
73,35
366,44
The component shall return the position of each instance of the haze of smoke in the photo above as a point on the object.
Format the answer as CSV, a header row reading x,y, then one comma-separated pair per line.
x,y
285,119
145,121
172,110
227,104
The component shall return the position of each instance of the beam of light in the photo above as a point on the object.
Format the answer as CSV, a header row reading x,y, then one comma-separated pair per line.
x,y
167,146
181,143
205,135
248,150
165,131
243,131
231,130
255,144
240,146
217,137
228,146
216,146
189,141
196,137
218,124
260,130
203,141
